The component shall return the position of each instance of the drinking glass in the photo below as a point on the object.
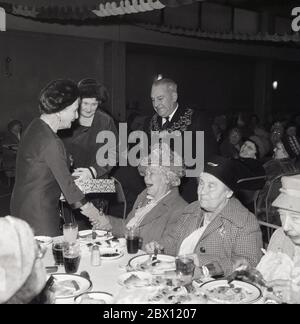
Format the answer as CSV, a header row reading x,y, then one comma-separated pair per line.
x,y
133,240
70,231
185,267
71,256
57,250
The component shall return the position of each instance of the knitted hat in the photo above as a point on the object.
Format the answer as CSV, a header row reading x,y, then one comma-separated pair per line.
x,y
57,96
291,145
223,169
162,156
290,194
17,255
90,88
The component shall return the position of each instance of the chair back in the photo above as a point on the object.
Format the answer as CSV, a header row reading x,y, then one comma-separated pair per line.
x,y
120,196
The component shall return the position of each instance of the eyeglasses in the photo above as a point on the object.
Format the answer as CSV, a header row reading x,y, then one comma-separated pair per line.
x,y
40,251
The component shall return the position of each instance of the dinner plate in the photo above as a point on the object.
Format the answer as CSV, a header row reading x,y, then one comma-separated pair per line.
x,y
135,279
45,240
94,297
101,235
78,283
237,292
143,263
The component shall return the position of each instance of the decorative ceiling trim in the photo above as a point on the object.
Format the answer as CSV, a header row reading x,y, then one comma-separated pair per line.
x,y
127,7
197,33
81,9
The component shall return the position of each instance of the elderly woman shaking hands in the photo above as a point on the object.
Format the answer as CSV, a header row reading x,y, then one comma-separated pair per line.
x,y
160,205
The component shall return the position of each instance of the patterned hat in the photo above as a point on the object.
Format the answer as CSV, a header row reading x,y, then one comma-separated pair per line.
x,y
291,145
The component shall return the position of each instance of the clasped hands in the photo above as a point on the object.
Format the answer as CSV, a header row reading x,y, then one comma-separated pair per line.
x,y
97,218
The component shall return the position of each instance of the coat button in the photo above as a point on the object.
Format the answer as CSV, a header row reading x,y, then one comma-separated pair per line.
x,y
202,249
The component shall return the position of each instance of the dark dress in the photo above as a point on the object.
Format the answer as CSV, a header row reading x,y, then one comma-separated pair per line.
x,y
81,142
42,174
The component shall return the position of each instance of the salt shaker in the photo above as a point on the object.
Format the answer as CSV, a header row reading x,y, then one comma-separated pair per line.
x,y
95,256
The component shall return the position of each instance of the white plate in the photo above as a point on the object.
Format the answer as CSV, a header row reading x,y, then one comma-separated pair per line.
x,y
111,255
86,236
45,240
87,233
167,263
145,279
83,284
94,297
248,294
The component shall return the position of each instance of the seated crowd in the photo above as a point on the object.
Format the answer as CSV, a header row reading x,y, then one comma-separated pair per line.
x,y
221,228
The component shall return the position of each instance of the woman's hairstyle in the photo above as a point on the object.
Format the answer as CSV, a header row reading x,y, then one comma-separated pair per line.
x,y
170,163
90,88
57,95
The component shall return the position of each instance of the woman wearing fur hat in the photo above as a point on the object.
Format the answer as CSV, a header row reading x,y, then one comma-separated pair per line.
x,y
42,171
81,140
217,227
22,273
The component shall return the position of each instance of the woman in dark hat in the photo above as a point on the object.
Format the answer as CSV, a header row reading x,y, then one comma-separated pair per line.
x,y
81,139
217,227
42,171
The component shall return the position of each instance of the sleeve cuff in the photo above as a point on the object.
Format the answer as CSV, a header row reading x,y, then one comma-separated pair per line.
x,y
78,204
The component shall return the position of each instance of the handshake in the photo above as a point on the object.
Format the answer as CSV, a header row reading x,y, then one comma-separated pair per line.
x,y
97,218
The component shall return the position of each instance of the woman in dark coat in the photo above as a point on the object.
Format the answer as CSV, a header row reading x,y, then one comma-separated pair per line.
x,y
81,139
42,172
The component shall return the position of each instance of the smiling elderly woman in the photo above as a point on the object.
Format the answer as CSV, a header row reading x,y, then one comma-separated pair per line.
x,y
42,172
217,227
159,206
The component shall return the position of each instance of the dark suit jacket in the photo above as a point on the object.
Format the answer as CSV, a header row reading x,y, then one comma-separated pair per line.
x,y
159,221
187,119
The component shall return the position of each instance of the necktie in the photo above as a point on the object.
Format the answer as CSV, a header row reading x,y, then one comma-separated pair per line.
x,y
167,123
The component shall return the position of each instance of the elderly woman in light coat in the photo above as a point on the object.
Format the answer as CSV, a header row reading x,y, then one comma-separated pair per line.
x,y
159,206
217,228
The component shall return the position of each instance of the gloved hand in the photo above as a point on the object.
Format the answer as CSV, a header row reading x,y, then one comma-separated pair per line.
x,y
97,218
82,174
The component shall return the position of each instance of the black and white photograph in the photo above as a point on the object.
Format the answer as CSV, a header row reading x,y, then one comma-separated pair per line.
x,y
149,154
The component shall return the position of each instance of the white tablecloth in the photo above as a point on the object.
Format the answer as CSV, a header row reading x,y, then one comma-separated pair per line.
x,y
104,277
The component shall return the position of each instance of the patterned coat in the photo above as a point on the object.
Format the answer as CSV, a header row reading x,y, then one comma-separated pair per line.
x,y
234,233
159,221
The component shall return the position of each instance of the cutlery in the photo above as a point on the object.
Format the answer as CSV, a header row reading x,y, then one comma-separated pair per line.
x,y
154,260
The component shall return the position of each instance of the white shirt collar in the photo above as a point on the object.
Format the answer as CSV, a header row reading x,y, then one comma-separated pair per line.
x,y
170,116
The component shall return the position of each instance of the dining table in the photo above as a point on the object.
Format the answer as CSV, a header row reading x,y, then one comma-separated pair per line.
x,y
104,277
